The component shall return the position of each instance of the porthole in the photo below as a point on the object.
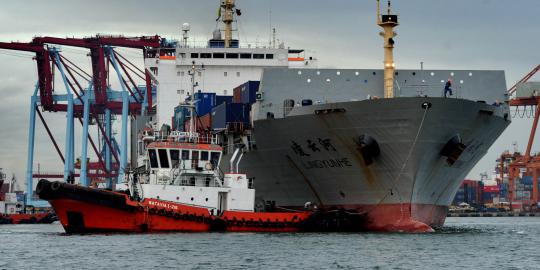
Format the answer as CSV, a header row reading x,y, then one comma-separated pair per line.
x,y
318,72
357,73
299,72
470,74
374,73
338,73
308,80
461,81
327,79
206,199
452,74
432,74
191,198
177,198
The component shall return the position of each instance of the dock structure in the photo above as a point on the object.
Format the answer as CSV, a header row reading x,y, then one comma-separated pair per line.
x,y
89,99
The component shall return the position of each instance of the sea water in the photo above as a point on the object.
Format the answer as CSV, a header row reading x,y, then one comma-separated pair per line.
x,y
464,243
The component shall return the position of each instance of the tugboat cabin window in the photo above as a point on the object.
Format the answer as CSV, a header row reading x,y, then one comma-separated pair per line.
x,y
175,157
219,55
269,56
214,156
204,155
153,158
206,55
232,55
185,154
258,56
195,155
245,56
163,158
194,55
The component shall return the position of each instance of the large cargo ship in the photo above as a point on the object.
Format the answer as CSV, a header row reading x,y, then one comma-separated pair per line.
x,y
389,144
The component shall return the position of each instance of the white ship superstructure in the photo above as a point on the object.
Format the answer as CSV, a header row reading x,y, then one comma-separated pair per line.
x,y
224,67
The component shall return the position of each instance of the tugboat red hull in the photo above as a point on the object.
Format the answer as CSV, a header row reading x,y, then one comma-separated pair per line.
x,y
87,210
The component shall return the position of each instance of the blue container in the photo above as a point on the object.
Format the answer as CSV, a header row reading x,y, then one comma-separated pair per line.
x,y
227,113
248,91
223,99
526,180
204,102
20,197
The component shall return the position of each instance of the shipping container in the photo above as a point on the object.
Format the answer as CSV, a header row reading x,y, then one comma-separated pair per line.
x,y
237,95
226,114
223,99
246,92
204,102
202,123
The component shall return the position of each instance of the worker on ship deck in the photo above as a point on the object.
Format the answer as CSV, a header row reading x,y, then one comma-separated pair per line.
x,y
448,88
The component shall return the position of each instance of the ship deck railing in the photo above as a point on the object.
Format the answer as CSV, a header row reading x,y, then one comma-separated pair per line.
x,y
182,136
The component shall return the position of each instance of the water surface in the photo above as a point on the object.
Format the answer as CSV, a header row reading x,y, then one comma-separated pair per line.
x,y
464,243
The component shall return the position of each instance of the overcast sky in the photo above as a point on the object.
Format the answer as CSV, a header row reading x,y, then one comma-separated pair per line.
x,y
458,34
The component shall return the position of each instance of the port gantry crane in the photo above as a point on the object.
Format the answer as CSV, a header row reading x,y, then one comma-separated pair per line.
x,y
527,163
96,101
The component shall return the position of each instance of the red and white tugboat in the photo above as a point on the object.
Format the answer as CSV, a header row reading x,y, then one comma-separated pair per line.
x,y
180,188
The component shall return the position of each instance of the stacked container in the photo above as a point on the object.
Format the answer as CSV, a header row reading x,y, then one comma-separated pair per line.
x,y
204,102
203,123
223,99
230,113
246,93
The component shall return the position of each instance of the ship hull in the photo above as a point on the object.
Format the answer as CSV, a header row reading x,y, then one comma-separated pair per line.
x,y
89,210
315,154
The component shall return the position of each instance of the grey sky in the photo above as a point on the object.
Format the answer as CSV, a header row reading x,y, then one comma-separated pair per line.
x,y
458,34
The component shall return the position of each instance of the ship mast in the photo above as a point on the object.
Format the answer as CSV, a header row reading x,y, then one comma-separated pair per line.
x,y
191,104
388,22
227,6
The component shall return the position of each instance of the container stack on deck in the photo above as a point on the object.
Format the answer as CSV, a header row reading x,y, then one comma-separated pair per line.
x,y
220,113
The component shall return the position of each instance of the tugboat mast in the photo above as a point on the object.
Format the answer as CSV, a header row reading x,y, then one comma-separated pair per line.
x,y
388,22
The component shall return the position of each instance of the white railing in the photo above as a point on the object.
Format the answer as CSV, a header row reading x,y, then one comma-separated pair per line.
x,y
181,136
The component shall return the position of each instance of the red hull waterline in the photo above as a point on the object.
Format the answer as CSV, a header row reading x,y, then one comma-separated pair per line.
x,y
87,210
84,210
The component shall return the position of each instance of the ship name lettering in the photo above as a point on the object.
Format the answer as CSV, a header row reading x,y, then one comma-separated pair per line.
x,y
165,205
327,163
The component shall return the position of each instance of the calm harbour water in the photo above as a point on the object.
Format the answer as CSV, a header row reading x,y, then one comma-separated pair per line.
x,y
464,243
